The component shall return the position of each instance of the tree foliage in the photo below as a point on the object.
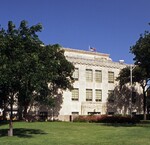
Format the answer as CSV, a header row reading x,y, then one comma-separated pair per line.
x,y
141,73
138,76
29,70
141,51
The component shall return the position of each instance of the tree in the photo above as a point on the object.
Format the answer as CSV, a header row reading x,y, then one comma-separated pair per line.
x,y
29,70
120,100
141,73
139,76
141,51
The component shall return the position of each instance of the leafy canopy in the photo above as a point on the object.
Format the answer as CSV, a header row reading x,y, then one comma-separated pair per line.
x,y
141,51
28,69
141,73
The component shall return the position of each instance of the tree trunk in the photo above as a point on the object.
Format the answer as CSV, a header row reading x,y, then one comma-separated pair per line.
x,y
20,112
10,131
4,111
4,114
25,111
144,105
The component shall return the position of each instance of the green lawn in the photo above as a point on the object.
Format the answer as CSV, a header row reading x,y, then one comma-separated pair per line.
x,y
67,133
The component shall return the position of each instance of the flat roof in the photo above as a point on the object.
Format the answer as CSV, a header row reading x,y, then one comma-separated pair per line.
x,y
86,52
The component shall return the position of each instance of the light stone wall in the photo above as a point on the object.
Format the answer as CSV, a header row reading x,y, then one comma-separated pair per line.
x,y
89,60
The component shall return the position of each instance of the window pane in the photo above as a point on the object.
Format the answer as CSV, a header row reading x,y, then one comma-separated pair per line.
x,y
76,74
111,77
75,113
98,95
89,75
89,95
98,76
75,94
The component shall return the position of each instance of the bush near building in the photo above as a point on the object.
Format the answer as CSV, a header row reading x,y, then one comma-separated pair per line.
x,y
107,119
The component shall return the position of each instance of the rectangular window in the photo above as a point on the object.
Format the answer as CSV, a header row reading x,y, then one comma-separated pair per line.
x,y
110,77
98,94
89,94
111,113
75,94
75,113
111,98
94,113
89,75
76,74
98,76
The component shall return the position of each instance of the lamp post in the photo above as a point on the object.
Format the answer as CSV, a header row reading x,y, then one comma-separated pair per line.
x,y
131,83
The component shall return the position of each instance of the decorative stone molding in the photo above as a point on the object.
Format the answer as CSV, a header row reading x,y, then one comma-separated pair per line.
x,y
89,58
93,62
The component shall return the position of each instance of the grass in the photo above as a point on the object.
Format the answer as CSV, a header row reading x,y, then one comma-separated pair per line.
x,y
67,133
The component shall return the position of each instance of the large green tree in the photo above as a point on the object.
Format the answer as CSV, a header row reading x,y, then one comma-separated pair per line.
x,y
138,76
141,51
141,73
29,70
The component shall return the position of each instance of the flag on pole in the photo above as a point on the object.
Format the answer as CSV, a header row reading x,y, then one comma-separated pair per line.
x,y
92,49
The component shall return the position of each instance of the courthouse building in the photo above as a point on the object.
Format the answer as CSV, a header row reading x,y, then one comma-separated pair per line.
x,y
95,80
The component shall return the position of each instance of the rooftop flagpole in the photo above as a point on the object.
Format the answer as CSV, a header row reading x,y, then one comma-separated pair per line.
x,y
92,49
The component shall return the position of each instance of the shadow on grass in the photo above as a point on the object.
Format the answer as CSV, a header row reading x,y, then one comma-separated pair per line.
x,y
22,132
119,125
3,122
125,125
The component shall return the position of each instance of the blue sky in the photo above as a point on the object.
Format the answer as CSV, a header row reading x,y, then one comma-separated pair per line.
x,y
111,26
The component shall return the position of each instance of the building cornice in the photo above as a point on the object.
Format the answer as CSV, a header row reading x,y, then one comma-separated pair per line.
x,y
94,62
86,52
91,59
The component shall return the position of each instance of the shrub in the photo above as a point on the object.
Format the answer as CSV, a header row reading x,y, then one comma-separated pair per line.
x,y
141,116
80,119
1,118
107,119
118,119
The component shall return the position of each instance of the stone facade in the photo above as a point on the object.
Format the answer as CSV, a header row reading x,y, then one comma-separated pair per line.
x,y
93,62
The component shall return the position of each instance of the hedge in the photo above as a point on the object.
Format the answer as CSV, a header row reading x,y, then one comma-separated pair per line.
x,y
106,119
